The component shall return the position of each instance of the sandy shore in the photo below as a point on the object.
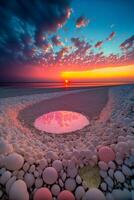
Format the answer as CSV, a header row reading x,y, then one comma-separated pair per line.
x,y
90,103
105,148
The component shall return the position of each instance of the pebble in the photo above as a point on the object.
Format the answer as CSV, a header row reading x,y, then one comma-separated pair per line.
x,y
70,184
66,195
78,179
43,163
106,154
102,165
94,194
55,189
18,191
79,192
103,186
13,161
5,147
50,175
64,176
111,173
26,166
57,164
103,173
10,183
43,194
109,181
119,176
126,170
29,179
72,172
38,182
5,177
32,168
112,165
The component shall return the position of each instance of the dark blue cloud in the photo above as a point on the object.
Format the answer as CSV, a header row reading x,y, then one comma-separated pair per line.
x,y
24,24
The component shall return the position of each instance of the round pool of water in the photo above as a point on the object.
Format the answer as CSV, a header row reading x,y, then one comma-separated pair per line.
x,y
59,122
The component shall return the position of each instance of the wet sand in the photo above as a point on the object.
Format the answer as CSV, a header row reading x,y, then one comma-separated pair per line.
x,y
90,103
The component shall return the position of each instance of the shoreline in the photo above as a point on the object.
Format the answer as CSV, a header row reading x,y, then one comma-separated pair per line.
x,y
6,91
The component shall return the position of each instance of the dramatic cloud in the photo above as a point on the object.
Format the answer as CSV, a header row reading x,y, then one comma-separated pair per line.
x,y
128,43
82,22
24,26
98,44
111,36
56,41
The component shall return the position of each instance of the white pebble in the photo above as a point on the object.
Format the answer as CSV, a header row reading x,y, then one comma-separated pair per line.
x,y
50,175
57,164
18,191
119,176
5,177
13,161
79,192
29,179
55,189
70,184
38,182
9,183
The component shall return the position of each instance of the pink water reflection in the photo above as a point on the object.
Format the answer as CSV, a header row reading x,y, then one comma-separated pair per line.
x,y
59,122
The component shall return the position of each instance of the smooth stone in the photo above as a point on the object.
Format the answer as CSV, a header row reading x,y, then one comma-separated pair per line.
x,y
103,186
43,163
111,173
70,184
5,147
26,166
112,165
64,176
66,195
5,177
119,176
78,179
55,189
13,161
10,183
57,164
18,191
43,194
38,182
109,181
50,175
126,170
94,194
29,179
32,169
102,165
106,154
119,194
72,172
79,192
103,173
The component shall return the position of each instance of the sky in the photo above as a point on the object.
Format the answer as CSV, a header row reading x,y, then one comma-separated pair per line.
x,y
53,40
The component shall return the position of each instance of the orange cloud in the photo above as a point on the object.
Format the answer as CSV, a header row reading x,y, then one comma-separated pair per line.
x,y
107,73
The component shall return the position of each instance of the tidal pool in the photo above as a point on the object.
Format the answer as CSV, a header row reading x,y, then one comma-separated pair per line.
x,y
59,122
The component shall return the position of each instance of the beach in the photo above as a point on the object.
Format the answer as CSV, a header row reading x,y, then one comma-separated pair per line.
x,y
105,145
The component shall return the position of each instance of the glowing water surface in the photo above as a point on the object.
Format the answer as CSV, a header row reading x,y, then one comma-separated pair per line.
x,y
59,122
